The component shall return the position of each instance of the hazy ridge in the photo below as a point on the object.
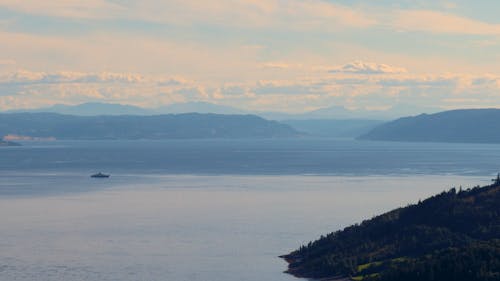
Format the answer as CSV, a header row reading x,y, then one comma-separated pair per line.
x,y
465,125
171,126
329,112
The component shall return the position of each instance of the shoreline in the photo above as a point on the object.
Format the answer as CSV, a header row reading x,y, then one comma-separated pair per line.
x,y
4,143
290,260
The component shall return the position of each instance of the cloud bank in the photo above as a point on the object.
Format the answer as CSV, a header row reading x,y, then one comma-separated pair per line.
x,y
358,85
253,54
359,67
275,14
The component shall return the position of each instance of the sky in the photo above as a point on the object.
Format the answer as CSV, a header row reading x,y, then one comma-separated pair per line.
x,y
265,55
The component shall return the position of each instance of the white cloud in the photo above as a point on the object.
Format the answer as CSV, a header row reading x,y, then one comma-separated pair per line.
x,y
439,22
31,89
360,67
36,89
25,76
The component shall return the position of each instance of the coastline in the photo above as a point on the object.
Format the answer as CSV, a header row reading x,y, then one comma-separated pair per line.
x,y
8,143
291,260
450,212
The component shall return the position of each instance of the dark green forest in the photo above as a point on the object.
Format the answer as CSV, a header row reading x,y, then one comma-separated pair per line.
x,y
454,235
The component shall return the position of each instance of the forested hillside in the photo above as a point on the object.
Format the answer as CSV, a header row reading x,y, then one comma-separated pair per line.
x,y
454,235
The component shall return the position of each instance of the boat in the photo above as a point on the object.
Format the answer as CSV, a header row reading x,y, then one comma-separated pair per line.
x,y
99,175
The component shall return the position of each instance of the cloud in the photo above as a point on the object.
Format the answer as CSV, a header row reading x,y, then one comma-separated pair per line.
x,y
359,67
36,89
74,9
7,62
154,52
298,15
24,76
133,53
290,14
439,22
276,65
422,81
30,89
173,81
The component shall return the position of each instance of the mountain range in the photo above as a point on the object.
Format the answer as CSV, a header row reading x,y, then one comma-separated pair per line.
x,y
465,125
169,126
333,112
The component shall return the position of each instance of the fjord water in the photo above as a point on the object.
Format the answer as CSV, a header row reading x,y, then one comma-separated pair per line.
x,y
205,209
253,157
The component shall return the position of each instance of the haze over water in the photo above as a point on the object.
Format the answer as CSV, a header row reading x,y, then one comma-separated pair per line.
x,y
205,209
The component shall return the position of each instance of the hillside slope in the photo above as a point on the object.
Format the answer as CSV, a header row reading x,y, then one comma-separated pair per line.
x,y
467,125
452,236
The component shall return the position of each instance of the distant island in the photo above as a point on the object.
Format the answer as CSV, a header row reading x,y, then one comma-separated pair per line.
x,y
454,235
169,126
466,126
8,143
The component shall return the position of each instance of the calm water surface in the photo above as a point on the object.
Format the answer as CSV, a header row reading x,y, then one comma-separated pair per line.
x,y
254,157
204,210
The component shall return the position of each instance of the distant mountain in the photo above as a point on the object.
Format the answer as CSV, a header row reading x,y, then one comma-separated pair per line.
x,y
466,125
333,112
350,128
402,109
330,112
198,107
342,113
97,108
171,126
451,236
